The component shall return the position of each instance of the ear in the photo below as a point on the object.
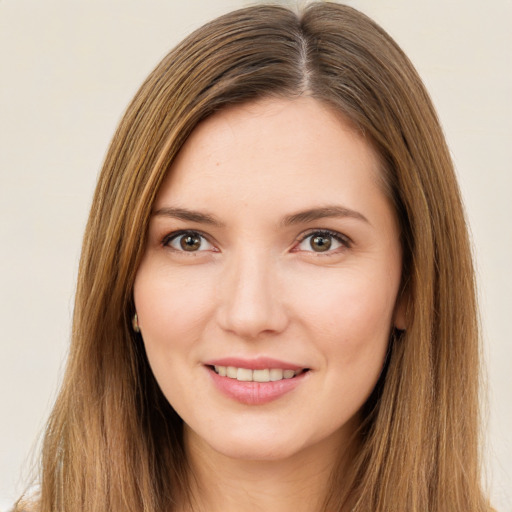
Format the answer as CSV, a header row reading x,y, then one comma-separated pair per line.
x,y
135,323
400,313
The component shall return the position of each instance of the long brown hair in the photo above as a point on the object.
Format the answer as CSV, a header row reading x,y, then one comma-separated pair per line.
x,y
113,442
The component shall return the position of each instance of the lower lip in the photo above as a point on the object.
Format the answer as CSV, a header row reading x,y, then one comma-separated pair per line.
x,y
255,393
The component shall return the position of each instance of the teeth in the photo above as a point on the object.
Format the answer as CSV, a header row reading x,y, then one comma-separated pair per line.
x,y
246,375
276,374
261,375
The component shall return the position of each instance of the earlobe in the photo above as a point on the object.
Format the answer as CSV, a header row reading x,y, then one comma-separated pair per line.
x,y
135,323
400,314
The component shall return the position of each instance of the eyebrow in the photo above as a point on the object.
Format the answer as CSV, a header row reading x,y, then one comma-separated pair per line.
x,y
189,215
296,218
322,213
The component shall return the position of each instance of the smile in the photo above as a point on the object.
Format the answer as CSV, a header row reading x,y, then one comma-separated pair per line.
x,y
260,375
264,381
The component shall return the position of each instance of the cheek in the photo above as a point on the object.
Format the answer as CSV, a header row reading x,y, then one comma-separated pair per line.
x,y
342,306
172,308
170,304
350,322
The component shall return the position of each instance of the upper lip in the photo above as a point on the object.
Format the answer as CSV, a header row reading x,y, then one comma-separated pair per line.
x,y
259,363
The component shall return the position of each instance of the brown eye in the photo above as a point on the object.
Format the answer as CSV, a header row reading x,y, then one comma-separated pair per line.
x,y
321,243
189,241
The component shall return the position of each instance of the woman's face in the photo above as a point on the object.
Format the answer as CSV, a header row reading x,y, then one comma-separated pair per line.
x,y
267,292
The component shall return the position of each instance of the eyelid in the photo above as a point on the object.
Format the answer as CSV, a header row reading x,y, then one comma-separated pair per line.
x,y
344,240
168,238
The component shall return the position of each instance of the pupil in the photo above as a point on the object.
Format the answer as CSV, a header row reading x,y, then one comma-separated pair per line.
x,y
321,243
190,242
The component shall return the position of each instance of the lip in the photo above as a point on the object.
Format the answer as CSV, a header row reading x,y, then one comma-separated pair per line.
x,y
255,393
259,363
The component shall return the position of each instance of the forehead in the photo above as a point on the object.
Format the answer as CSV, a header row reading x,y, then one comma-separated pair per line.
x,y
285,150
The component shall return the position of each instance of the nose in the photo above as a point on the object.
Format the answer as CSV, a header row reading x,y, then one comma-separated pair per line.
x,y
251,301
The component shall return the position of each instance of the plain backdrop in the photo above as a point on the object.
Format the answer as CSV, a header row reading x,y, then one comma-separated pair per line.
x,y
67,71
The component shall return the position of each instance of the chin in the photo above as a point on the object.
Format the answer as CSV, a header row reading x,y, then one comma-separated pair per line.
x,y
257,451
255,445
271,445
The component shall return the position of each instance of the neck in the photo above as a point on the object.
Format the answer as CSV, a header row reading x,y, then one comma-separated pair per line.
x,y
300,482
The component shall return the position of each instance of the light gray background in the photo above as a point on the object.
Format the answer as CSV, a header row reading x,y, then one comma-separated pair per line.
x,y
67,71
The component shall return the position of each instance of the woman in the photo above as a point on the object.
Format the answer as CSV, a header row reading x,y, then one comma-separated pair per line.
x,y
276,306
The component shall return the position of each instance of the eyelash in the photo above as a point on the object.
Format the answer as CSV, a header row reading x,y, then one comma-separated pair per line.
x,y
178,234
343,240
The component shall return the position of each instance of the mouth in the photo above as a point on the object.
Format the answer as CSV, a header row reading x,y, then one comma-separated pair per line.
x,y
259,375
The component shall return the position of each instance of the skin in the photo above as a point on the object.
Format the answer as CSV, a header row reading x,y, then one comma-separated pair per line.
x,y
257,286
